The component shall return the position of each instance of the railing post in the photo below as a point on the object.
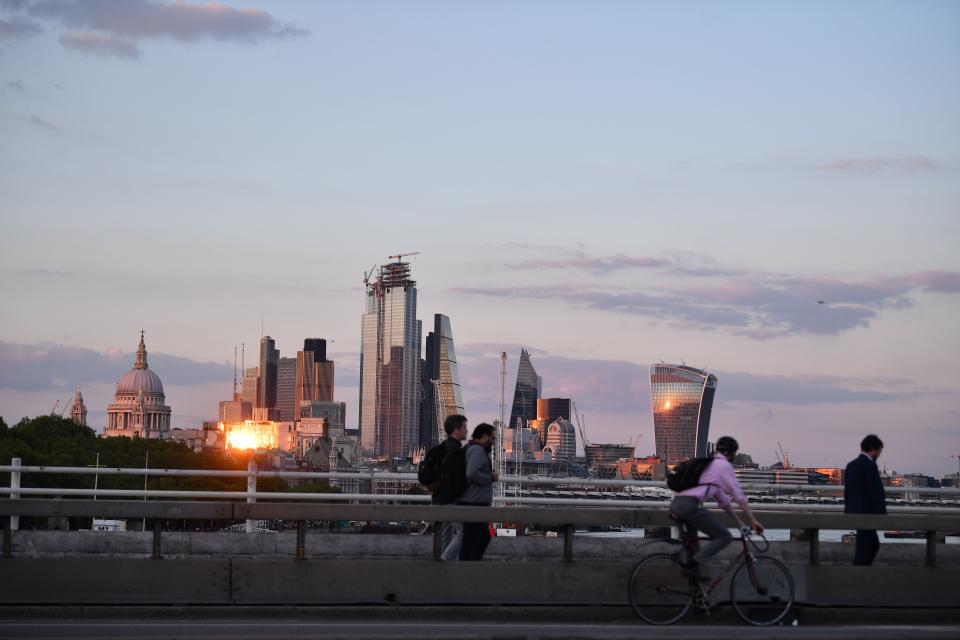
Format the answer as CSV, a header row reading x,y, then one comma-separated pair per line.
x,y
931,548
251,488
157,526
301,539
437,541
7,538
568,543
14,495
814,542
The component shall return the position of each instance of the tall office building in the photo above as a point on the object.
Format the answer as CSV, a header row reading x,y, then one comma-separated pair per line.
x,y
390,364
549,410
527,391
440,381
682,399
250,391
269,358
286,389
314,374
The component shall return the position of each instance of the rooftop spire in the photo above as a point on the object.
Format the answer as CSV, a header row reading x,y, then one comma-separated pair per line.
x,y
141,354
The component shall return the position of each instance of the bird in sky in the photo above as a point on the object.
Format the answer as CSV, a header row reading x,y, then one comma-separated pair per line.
x,y
819,301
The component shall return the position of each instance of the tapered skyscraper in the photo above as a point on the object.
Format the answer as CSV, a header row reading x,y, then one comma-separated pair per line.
x,y
682,400
269,359
526,393
390,364
440,380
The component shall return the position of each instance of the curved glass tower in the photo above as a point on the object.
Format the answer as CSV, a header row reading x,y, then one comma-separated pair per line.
x,y
682,400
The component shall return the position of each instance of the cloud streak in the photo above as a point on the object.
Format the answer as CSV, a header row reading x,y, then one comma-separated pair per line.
x,y
756,305
18,28
33,367
882,164
594,264
181,21
100,45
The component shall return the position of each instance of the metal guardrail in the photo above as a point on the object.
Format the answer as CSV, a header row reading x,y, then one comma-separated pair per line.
x,y
566,512
411,478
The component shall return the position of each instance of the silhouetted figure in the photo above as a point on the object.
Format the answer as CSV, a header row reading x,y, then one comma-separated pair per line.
x,y
863,493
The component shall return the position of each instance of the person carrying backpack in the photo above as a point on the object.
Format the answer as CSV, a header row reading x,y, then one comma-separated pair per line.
x,y
716,480
479,493
444,473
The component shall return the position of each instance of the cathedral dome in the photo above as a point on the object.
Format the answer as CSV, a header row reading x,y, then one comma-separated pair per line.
x,y
140,379
137,380
138,408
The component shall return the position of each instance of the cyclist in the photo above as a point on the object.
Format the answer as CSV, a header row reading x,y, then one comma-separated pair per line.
x,y
717,481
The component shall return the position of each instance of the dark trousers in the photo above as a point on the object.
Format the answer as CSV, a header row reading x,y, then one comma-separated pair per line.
x,y
697,518
476,537
867,545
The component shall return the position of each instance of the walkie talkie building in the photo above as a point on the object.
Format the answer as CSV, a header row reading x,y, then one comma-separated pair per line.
x,y
682,400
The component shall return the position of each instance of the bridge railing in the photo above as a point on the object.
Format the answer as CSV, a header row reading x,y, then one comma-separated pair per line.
x,y
370,506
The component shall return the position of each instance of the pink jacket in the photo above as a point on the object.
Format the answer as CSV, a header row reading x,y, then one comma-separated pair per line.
x,y
718,481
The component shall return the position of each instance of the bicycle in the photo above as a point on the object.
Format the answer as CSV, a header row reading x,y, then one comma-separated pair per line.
x,y
761,589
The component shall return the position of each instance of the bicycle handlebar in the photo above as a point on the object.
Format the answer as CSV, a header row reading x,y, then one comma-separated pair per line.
x,y
746,533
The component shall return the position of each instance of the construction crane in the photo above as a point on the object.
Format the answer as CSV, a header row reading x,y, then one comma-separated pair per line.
x,y
403,255
580,422
784,455
56,404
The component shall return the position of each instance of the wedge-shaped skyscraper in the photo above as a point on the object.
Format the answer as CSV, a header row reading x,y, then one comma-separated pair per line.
x,y
440,380
526,393
682,399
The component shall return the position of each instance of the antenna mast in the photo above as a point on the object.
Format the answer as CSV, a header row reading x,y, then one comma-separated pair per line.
x,y
235,373
501,466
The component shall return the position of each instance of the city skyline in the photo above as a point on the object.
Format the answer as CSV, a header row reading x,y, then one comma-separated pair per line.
x,y
604,186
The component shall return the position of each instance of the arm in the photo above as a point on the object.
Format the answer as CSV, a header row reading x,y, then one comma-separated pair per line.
x,y
730,486
877,497
477,471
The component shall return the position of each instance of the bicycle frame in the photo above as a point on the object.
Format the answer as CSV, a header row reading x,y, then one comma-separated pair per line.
x,y
689,545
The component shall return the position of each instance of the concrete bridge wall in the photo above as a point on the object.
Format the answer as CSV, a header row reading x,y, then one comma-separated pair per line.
x,y
227,568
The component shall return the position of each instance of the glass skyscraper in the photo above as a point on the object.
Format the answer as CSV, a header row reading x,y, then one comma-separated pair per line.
x,y
286,389
526,393
439,377
269,358
682,400
390,364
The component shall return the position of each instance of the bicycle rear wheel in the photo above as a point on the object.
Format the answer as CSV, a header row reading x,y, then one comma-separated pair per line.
x,y
762,591
658,592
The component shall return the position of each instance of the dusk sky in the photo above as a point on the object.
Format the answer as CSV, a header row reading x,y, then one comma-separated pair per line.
x,y
607,184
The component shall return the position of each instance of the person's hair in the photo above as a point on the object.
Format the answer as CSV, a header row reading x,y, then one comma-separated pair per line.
x,y
870,443
454,422
483,429
727,445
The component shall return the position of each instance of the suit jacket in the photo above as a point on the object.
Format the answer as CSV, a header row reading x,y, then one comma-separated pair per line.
x,y
862,489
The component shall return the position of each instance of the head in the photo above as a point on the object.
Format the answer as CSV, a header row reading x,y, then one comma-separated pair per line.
x,y
728,447
872,446
456,426
483,434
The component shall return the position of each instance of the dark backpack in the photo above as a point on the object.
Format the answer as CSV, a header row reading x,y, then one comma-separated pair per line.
x,y
430,473
686,475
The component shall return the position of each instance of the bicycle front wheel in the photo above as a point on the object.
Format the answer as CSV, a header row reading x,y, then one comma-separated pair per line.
x,y
657,590
762,591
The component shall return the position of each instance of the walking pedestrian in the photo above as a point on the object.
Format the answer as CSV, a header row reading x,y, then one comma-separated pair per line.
x,y
479,492
863,493
452,482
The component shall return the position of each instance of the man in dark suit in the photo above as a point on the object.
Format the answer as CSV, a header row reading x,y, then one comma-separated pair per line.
x,y
863,493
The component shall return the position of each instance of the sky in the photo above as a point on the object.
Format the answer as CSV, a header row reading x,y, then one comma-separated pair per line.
x,y
608,184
